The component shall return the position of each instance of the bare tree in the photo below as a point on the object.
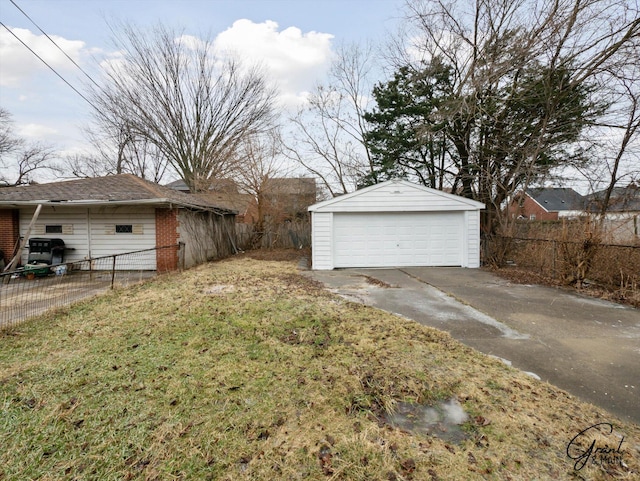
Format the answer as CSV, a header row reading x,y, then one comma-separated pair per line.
x,y
619,157
33,158
261,161
175,93
8,140
20,158
117,153
328,132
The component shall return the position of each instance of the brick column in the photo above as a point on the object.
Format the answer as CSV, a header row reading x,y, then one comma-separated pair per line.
x,y
9,231
167,234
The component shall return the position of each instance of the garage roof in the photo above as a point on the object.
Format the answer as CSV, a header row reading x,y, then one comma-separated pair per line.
x,y
396,195
109,190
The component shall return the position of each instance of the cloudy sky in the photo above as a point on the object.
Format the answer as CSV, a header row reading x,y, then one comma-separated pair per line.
x,y
294,39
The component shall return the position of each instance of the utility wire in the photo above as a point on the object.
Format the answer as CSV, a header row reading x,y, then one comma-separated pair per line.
x,y
53,42
50,67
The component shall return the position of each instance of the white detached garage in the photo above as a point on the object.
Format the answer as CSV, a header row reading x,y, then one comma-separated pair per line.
x,y
395,224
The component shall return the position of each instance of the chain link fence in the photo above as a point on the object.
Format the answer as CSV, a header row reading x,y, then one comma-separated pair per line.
x,y
34,289
587,262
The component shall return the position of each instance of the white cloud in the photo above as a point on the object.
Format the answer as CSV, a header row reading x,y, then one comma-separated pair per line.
x,y
18,64
191,42
35,131
113,61
296,60
293,60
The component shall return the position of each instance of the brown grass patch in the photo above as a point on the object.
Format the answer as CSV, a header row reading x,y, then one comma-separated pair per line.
x,y
272,379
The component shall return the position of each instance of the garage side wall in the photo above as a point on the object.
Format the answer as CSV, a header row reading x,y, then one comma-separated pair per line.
x,y
321,244
472,234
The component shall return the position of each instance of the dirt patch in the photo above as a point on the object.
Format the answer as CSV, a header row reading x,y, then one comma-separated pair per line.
x,y
377,282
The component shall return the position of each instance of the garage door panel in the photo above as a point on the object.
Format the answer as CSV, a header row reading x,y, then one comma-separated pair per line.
x,y
398,239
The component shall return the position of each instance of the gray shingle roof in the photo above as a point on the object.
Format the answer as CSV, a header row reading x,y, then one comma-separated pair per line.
x,y
121,188
623,199
556,199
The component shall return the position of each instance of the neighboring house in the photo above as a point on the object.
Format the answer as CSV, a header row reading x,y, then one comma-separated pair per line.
x,y
547,203
288,198
283,198
622,217
623,199
115,214
395,223
223,193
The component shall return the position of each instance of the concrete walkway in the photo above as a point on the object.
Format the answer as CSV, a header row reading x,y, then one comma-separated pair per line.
x,y
589,347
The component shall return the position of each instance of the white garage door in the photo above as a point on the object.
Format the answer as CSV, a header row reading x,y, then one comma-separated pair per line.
x,y
398,239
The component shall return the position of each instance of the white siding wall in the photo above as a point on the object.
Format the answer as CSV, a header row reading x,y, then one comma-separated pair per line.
x,y
322,240
105,241
472,251
74,217
100,239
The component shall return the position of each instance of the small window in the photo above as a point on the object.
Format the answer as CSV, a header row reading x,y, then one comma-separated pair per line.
x,y
124,229
532,217
53,229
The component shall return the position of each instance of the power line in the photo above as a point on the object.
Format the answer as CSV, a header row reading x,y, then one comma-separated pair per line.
x,y
50,67
53,42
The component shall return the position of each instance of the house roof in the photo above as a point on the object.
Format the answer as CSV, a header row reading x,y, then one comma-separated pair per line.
x,y
110,190
623,199
229,200
410,197
556,199
215,185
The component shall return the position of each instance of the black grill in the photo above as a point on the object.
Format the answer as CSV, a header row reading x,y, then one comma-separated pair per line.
x,y
47,251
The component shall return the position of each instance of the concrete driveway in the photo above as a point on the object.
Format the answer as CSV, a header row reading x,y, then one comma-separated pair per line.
x,y
589,347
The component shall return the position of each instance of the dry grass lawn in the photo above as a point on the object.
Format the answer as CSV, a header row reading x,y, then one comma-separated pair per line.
x,y
244,369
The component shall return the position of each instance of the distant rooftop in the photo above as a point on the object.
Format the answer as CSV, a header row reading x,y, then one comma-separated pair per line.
x,y
623,199
556,199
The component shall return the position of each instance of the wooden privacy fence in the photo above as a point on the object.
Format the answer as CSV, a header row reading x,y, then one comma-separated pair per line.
x,y
295,234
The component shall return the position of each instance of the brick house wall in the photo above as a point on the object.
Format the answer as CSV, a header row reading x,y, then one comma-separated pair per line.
x,y
531,208
167,235
9,231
